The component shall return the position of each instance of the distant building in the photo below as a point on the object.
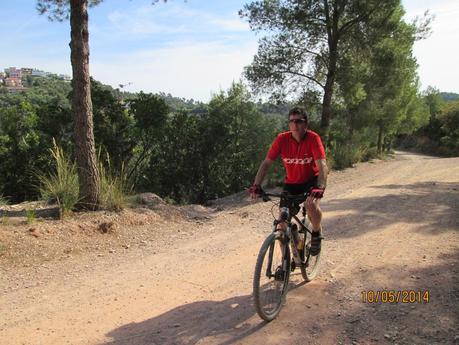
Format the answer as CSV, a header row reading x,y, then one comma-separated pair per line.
x,y
13,82
65,77
26,71
38,73
13,72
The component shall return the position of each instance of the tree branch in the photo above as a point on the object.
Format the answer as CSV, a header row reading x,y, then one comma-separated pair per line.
x,y
301,50
303,75
354,21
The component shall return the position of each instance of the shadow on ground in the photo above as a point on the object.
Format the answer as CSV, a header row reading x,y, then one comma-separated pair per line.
x,y
190,323
339,309
432,205
413,320
49,212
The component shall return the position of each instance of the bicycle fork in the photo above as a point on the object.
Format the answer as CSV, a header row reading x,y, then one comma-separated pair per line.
x,y
293,238
279,273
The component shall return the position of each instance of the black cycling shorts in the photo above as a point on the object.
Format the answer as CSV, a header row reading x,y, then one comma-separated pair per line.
x,y
300,188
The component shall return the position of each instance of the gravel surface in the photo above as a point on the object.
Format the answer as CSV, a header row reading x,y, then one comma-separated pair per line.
x,y
183,275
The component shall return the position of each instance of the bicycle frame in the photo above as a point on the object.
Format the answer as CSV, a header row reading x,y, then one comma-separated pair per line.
x,y
280,253
288,220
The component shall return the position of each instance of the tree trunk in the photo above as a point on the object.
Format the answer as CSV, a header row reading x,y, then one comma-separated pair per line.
x,y
387,143
327,99
332,38
326,108
85,152
380,135
350,123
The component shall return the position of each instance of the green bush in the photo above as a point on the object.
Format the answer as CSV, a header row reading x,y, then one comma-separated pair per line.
x,y
60,186
345,156
3,201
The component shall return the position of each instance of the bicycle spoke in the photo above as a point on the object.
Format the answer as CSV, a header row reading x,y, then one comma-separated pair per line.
x,y
311,266
270,288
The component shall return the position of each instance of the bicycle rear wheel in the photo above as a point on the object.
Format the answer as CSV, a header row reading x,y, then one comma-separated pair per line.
x,y
272,272
310,266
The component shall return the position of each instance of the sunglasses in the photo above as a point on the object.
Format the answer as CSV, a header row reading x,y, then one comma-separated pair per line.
x,y
297,121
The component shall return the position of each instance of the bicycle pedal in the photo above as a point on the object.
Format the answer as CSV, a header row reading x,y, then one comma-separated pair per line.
x,y
279,275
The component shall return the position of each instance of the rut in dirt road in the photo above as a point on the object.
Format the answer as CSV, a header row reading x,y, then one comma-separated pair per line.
x,y
390,226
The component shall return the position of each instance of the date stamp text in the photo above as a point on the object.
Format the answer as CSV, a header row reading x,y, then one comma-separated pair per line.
x,y
395,296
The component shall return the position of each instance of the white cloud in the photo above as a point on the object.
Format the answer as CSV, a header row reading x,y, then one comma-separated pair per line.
x,y
232,24
174,19
184,70
192,68
417,8
141,22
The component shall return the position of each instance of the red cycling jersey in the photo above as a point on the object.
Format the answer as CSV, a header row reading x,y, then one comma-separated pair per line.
x,y
298,157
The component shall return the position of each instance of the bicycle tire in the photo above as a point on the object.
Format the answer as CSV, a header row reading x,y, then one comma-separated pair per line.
x,y
269,292
310,266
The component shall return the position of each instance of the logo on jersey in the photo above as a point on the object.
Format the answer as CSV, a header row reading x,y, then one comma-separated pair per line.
x,y
304,161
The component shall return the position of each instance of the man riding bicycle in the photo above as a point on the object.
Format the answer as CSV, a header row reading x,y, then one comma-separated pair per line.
x,y
303,157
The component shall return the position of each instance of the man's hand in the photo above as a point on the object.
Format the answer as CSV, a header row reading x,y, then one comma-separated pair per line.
x,y
255,191
317,193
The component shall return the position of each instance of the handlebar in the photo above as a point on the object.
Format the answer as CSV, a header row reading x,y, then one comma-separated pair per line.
x,y
297,198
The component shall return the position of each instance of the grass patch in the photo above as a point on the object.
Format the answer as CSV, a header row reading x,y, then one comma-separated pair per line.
x,y
61,186
5,220
31,216
3,201
114,188
2,248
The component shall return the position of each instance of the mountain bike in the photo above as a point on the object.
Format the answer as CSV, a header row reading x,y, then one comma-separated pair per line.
x,y
274,262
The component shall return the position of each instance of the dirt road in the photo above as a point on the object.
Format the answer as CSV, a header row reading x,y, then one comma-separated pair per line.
x,y
389,225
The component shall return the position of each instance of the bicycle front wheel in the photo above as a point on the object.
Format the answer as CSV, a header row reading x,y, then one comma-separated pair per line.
x,y
272,272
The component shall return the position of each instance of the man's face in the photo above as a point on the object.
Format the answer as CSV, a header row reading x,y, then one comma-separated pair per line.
x,y
296,123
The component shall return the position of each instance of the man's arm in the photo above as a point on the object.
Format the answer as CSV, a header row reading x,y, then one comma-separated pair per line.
x,y
323,173
263,170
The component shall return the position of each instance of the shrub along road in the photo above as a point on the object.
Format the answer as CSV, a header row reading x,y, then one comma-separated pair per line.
x,y
183,275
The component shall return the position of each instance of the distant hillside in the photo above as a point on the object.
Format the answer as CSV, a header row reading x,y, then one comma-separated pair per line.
x,y
39,90
53,90
449,96
42,90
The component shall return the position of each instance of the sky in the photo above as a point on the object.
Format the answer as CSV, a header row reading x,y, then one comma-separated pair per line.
x,y
191,49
